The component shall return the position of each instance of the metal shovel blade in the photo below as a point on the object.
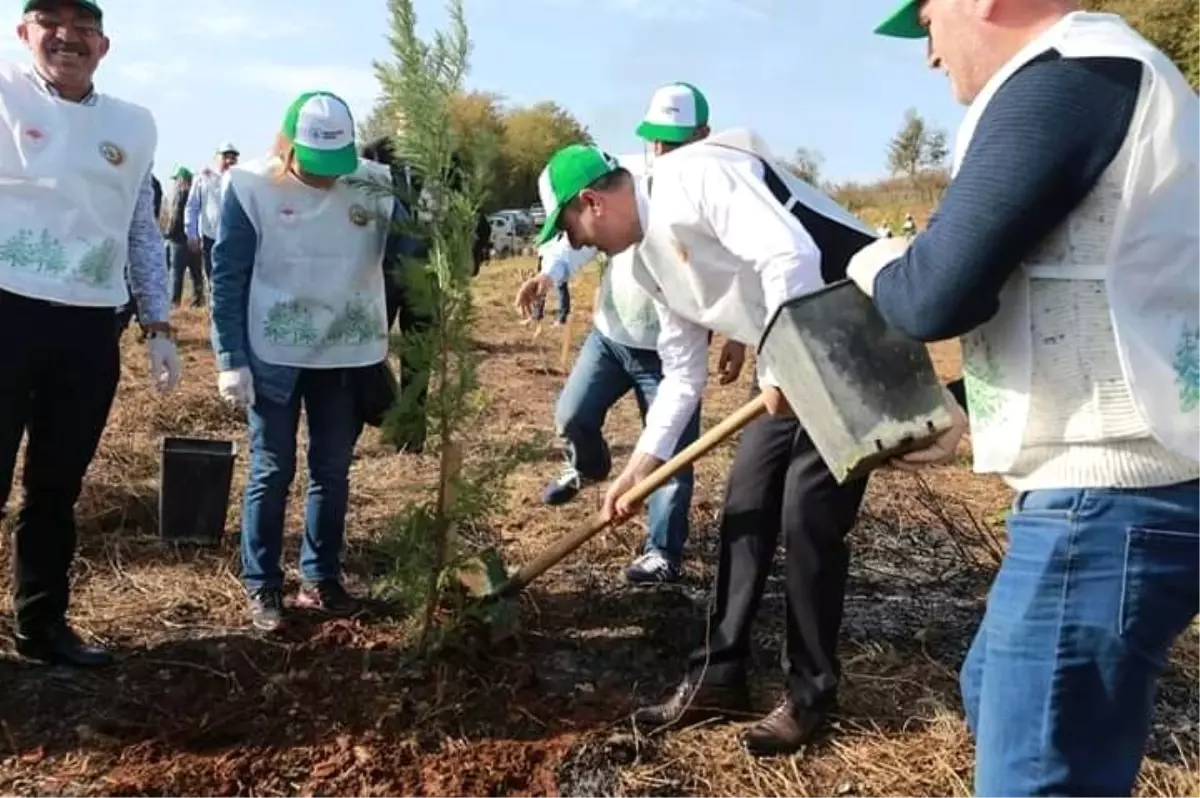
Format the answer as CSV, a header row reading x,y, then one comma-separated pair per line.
x,y
863,391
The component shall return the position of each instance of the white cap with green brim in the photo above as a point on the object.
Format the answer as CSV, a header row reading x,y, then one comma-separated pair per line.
x,y
676,111
321,129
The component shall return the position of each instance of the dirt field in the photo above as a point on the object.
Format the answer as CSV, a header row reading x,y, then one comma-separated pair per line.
x,y
200,705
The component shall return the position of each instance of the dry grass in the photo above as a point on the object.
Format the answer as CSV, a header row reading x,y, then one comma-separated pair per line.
x,y
198,706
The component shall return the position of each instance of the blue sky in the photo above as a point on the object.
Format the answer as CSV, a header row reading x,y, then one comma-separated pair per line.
x,y
801,72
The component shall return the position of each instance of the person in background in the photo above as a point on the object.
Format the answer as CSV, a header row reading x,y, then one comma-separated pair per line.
x,y
548,253
620,354
1064,254
298,314
909,228
71,217
202,216
180,259
402,308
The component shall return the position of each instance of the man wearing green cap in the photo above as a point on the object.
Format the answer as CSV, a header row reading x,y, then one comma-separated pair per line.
x,y
181,260
620,355
76,207
724,235
1064,255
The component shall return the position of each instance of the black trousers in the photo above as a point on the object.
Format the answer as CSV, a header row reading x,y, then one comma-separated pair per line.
x,y
206,248
780,484
60,367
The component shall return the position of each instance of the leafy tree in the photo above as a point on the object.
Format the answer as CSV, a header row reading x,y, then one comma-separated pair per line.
x,y
915,147
806,165
530,136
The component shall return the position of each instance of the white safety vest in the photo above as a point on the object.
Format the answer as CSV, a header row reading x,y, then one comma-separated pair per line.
x,y
70,175
1138,232
736,309
624,311
317,288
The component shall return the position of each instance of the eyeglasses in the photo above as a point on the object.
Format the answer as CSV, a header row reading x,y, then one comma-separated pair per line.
x,y
85,30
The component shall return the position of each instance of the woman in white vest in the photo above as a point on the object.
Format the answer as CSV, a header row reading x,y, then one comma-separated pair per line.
x,y
1065,254
298,312
724,236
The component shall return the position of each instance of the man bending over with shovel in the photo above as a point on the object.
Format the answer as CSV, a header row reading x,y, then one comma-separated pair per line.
x,y
724,238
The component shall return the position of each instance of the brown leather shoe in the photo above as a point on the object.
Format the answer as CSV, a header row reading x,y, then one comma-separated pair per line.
x,y
694,703
784,731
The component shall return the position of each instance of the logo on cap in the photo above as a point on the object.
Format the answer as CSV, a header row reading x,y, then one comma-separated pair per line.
x,y
112,153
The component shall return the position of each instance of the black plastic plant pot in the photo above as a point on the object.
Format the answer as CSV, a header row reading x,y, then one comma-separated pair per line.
x,y
194,483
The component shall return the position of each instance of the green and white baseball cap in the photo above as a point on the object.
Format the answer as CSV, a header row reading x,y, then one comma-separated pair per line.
x,y
86,5
904,22
675,112
569,171
321,129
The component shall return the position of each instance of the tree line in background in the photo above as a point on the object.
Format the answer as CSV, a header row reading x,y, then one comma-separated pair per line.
x,y
516,140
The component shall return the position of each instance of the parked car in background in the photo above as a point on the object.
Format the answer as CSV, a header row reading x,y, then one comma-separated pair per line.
x,y
505,240
538,214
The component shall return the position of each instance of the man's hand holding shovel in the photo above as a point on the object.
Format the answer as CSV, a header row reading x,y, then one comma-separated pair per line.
x,y
617,508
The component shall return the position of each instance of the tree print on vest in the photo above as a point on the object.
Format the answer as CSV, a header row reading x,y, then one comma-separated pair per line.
x,y
96,265
46,255
290,323
981,378
357,324
1187,368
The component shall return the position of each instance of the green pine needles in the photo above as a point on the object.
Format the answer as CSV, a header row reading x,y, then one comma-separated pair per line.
x,y
427,537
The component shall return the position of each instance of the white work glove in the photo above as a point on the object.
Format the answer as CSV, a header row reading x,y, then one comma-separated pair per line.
x,y
945,448
236,386
164,362
871,259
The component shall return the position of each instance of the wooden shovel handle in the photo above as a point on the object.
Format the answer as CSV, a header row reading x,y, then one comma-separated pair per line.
x,y
559,549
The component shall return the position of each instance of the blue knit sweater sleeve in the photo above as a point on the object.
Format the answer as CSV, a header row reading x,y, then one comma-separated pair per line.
x,y
1040,147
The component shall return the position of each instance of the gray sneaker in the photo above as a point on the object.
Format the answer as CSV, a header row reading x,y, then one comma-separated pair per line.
x,y
652,568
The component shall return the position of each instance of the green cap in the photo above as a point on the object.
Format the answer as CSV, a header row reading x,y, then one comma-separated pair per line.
x,y
569,171
86,5
676,111
321,129
904,22
183,172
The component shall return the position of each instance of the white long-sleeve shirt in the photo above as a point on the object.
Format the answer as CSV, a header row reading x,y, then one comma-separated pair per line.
x,y
739,255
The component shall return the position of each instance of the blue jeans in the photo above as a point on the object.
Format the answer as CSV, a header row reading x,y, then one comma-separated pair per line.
x,y
1059,683
603,373
333,428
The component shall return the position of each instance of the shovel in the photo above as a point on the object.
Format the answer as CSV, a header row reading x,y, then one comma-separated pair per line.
x,y
483,576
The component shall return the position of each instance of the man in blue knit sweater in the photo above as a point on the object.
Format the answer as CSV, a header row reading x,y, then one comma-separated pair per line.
x,y
1064,254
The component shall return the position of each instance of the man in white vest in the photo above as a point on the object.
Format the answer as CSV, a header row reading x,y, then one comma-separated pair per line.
x,y
202,215
724,236
76,204
1064,254
619,354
